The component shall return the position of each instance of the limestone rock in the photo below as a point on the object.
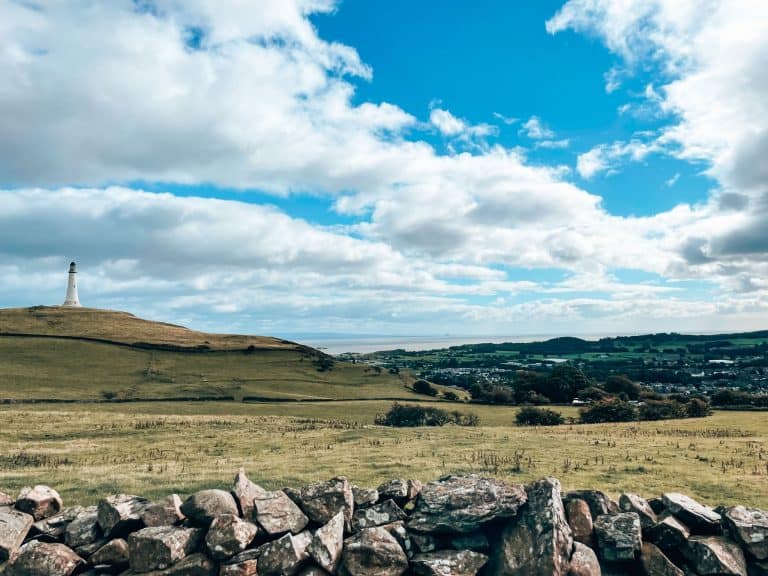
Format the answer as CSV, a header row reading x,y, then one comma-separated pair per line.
x,y
655,563
584,561
277,513
86,550
400,490
396,489
539,541
282,557
327,543
383,513
245,492
302,540
203,506
629,502
113,553
580,520
749,527
711,555
668,533
197,564
157,548
373,552
599,502
244,568
84,529
44,559
40,502
448,563
618,536
229,535
250,554
461,504
699,518
364,497
52,529
323,500
6,499
166,512
14,526
398,531
120,514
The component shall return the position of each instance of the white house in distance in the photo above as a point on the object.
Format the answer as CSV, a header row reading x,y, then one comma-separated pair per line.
x,y
72,300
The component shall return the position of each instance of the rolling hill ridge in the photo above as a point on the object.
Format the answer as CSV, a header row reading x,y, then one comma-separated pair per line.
x,y
86,354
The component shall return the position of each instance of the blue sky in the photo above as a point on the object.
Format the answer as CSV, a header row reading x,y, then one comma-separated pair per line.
x,y
297,166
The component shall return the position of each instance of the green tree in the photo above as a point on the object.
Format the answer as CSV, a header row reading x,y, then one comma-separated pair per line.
x,y
424,387
531,416
622,386
612,410
563,384
697,408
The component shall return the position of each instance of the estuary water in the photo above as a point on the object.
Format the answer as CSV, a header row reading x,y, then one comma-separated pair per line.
x,y
332,344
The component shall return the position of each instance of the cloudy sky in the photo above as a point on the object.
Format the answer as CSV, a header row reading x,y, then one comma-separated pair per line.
x,y
398,167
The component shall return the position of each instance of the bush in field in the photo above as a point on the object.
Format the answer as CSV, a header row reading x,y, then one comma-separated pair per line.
x,y
530,416
451,395
405,415
608,411
424,387
661,410
465,418
323,363
697,408
734,398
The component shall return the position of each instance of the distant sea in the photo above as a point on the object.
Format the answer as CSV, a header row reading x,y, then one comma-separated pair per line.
x,y
338,344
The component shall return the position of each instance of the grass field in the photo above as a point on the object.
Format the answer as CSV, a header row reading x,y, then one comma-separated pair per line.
x,y
87,451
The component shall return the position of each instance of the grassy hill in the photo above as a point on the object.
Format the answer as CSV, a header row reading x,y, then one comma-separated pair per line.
x,y
53,353
123,328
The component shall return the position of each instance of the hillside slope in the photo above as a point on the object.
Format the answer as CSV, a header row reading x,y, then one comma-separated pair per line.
x,y
88,354
122,327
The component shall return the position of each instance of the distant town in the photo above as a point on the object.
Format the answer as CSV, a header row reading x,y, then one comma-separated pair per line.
x,y
665,363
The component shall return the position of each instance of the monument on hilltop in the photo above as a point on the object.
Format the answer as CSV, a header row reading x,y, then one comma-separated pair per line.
x,y
72,300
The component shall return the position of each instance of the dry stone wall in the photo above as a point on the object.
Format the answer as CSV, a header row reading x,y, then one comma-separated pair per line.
x,y
455,526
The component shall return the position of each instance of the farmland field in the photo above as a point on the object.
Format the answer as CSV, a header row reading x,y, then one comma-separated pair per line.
x,y
88,450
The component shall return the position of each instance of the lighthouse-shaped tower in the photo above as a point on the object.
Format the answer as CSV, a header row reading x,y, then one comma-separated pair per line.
x,y
72,300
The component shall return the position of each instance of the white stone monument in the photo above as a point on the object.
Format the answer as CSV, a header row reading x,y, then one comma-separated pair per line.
x,y
72,301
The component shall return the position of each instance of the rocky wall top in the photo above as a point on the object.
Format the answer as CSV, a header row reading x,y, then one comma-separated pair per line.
x,y
457,525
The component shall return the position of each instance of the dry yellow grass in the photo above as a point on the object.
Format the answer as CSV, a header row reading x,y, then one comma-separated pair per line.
x,y
87,451
122,327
